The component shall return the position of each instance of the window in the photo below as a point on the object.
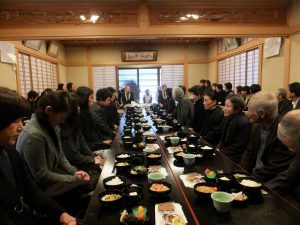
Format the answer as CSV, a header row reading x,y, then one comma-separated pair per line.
x,y
36,74
140,79
103,77
172,75
240,69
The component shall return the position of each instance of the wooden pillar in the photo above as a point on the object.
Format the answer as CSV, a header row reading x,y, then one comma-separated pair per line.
x,y
287,62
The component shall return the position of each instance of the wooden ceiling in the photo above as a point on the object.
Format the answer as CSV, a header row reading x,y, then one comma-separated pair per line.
x,y
140,22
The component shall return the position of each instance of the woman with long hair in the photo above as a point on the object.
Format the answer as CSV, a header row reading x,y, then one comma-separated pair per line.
x,y
94,138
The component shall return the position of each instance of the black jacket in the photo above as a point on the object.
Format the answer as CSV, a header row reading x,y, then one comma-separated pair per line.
x,y
127,101
112,115
101,121
198,115
276,157
89,130
288,181
284,106
235,136
211,126
161,99
170,106
25,187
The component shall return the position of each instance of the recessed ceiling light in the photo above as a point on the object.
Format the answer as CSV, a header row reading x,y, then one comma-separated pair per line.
x,y
183,18
94,18
82,17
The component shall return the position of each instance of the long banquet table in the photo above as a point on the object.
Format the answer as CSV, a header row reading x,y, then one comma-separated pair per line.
x,y
273,209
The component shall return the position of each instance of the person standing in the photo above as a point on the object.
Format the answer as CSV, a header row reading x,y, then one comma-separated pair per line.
x,y
127,96
147,99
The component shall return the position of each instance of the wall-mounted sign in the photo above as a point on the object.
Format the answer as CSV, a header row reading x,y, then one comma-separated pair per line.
x,y
139,56
34,44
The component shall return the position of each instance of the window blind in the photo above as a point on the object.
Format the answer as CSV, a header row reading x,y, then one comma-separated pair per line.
x,y
103,77
172,75
240,69
36,74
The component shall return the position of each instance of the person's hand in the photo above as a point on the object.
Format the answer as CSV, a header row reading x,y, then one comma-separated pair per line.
x,y
116,127
81,175
66,219
190,129
108,142
99,160
161,105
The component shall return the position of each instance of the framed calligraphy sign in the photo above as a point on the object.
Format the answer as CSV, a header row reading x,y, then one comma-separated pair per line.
x,y
139,56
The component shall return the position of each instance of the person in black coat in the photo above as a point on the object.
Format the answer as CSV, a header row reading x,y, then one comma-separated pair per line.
x,y
235,129
210,129
294,94
87,121
73,143
170,104
284,105
98,110
162,96
197,98
287,182
221,94
19,195
127,96
265,155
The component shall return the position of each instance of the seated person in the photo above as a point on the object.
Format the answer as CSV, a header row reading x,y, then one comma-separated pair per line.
x,y
40,146
221,94
235,130
284,105
127,96
210,129
184,108
294,94
265,155
19,195
73,144
98,110
147,99
112,110
197,98
246,95
288,181
94,139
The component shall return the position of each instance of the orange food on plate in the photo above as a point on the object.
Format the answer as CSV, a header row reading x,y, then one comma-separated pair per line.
x,y
159,187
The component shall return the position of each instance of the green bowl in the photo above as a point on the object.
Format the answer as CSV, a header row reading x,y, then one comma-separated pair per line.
x,y
156,176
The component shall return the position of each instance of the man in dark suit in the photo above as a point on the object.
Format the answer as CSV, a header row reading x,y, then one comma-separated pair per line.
x,y
288,181
162,96
127,96
265,156
294,94
284,105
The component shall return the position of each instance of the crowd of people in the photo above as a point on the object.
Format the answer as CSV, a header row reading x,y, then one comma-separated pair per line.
x,y
49,167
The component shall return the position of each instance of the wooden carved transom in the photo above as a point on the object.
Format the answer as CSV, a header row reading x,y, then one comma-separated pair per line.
x,y
67,16
158,16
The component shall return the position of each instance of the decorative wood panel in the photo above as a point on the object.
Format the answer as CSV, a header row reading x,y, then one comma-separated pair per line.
x,y
218,16
56,14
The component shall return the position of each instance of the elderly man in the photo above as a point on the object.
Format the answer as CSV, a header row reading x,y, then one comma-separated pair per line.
x,y
265,156
288,181
284,105
184,109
